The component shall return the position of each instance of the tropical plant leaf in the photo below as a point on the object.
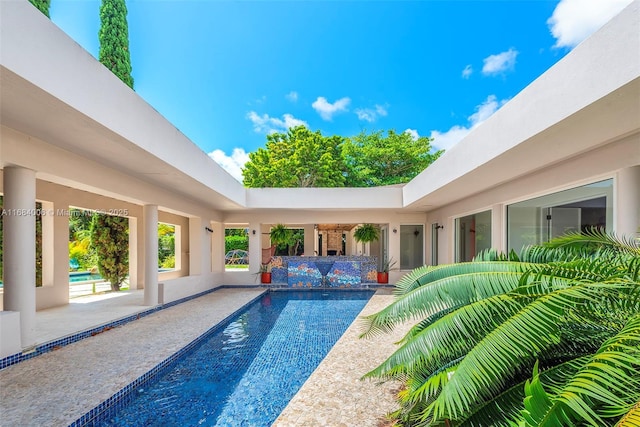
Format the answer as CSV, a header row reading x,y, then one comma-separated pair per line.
x,y
482,326
631,418
485,280
505,409
605,387
425,275
515,342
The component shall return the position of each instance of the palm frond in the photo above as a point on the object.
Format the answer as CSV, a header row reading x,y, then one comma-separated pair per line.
x,y
631,418
593,241
427,274
607,386
505,409
443,293
515,342
449,337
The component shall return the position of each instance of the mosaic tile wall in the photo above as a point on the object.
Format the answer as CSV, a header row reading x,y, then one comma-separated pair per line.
x,y
315,272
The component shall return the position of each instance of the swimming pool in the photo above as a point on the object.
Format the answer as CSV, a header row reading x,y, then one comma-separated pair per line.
x,y
247,370
81,276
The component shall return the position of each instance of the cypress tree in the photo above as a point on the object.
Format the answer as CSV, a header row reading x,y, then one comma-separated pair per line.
x,y
42,6
110,238
114,39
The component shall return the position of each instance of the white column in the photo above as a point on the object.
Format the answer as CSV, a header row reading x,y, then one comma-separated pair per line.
x,y
20,248
194,248
150,219
135,273
309,239
255,246
627,204
215,243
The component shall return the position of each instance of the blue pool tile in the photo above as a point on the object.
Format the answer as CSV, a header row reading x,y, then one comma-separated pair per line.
x,y
243,371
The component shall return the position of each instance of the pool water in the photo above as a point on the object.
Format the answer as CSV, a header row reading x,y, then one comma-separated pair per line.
x,y
247,372
82,276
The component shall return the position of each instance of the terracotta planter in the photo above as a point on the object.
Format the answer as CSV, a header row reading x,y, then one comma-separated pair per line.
x,y
383,277
265,277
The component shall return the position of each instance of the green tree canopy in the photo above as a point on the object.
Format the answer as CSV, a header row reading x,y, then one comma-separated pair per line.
x,y
114,39
374,159
42,6
297,158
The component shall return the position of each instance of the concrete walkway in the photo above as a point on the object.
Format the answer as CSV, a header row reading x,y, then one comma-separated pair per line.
x,y
87,312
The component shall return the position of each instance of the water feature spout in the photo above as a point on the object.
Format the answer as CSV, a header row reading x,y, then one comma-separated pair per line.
x,y
324,267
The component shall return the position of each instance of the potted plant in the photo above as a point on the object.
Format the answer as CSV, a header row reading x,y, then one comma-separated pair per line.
x,y
366,233
383,274
265,273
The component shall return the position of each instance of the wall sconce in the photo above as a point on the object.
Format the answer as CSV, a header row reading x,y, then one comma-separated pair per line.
x,y
416,232
209,229
438,226
395,230
253,232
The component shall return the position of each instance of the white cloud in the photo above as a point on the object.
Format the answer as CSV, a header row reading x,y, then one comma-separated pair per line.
x,y
266,124
327,109
232,164
371,114
292,96
413,133
574,20
468,70
500,63
446,140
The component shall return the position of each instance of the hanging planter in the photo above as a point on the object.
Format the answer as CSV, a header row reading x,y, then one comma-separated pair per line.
x,y
366,233
280,234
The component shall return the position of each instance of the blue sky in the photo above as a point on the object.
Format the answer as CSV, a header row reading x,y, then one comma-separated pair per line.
x,y
226,73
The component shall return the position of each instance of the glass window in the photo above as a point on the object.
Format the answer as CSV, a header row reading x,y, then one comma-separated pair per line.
x,y
538,220
473,235
411,246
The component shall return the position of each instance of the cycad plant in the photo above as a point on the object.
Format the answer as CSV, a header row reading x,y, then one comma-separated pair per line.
x,y
550,338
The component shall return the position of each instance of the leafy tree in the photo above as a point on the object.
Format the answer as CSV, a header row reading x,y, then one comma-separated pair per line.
x,y
166,245
551,338
374,159
81,254
297,158
110,238
42,6
114,39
